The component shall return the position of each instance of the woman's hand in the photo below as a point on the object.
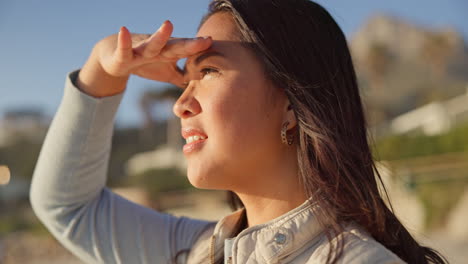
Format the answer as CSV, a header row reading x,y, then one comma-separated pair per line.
x,y
153,57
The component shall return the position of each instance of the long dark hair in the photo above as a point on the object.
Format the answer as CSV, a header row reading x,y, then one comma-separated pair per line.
x,y
304,52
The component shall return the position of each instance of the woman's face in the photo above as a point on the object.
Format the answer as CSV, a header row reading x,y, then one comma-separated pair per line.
x,y
229,100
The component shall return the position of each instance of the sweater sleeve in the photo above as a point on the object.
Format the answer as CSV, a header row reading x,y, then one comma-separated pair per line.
x,y
69,196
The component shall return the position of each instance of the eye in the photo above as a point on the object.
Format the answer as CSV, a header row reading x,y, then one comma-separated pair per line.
x,y
208,70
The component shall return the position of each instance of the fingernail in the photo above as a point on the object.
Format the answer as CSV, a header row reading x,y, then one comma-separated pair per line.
x,y
203,38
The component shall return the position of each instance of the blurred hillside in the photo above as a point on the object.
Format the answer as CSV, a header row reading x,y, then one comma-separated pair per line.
x,y
402,66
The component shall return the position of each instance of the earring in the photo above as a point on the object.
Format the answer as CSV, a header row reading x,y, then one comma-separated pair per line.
x,y
284,137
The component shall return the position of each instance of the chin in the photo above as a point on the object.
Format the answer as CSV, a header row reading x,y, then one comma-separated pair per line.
x,y
204,181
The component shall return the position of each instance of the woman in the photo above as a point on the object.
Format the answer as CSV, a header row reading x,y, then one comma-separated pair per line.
x,y
271,112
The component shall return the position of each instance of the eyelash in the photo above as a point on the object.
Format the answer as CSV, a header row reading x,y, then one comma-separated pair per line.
x,y
208,70
204,71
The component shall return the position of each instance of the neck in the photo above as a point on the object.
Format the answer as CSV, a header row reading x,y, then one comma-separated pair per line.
x,y
277,193
260,210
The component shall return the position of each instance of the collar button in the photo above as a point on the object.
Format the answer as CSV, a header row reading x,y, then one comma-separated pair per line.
x,y
280,238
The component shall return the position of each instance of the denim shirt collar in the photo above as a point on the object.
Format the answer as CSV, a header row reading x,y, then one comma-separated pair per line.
x,y
269,241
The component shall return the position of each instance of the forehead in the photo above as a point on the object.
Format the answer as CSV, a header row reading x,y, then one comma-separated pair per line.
x,y
220,26
223,30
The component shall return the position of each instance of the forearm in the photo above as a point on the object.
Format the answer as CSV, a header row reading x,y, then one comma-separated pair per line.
x,y
72,166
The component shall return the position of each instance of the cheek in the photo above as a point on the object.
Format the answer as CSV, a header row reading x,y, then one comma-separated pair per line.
x,y
241,129
236,110
240,118
230,114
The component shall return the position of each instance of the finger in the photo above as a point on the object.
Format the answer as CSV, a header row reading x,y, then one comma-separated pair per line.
x,y
124,45
156,42
182,48
177,78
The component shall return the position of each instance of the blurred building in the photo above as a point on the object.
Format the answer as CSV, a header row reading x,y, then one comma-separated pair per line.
x,y
30,124
164,156
168,155
433,118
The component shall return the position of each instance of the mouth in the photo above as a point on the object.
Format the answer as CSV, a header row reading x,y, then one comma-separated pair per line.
x,y
193,144
194,137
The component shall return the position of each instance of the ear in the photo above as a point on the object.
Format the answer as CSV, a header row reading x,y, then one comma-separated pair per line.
x,y
289,115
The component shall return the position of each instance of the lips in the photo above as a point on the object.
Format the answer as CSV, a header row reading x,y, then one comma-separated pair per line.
x,y
195,139
190,131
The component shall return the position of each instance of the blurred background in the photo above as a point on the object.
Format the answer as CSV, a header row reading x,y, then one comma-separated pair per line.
x,y
412,63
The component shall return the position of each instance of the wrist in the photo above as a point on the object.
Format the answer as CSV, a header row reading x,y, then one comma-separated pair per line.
x,y
95,81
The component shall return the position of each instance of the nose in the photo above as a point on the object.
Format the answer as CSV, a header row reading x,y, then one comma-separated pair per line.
x,y
187,105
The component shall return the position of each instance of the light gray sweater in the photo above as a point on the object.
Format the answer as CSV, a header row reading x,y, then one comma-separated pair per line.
x,y
69,196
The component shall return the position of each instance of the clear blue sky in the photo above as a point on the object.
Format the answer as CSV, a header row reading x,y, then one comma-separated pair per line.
x,y
43,40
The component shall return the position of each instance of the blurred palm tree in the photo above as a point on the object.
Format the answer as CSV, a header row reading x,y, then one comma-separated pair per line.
x,y
148,99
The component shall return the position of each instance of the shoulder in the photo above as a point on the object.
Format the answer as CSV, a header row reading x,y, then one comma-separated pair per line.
x,y
359,247
201,248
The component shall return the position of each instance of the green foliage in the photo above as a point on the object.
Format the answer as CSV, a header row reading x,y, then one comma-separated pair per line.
x,y
19,217
437,165
11,224
438,198
409,146
21,157
158,181
127,142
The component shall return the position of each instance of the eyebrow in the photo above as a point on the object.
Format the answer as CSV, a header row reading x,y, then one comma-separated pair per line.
x,y
203,57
